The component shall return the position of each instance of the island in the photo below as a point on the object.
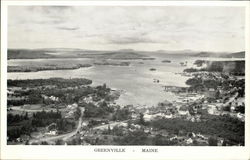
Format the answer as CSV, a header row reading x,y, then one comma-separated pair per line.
x,y
166,61
57,111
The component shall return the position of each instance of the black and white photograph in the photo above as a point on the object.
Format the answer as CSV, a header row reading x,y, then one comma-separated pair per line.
x,y
110,75
125,75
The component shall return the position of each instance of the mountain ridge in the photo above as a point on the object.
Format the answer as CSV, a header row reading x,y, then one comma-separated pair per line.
x,y
118,54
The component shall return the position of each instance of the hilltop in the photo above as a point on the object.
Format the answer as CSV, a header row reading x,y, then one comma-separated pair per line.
x,y
72,53
221,54
119,54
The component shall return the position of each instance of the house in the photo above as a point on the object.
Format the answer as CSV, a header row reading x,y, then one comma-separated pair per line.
x,y
211,89
51,133
85,123
136,126
147,130
183,110
241,116
9,92
173,138
192,119
241,101
24,138
211,109
53,98
72,106
168,115
148,117
134,116
88,99
189,141
201,136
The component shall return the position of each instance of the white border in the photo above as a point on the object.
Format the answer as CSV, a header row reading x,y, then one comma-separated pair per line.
x,y
87,152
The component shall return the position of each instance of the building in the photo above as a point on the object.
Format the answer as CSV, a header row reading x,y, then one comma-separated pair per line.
x,y
183,110
189,141
51,133
211,109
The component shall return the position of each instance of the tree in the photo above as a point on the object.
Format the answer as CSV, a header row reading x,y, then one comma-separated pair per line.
x,y
195,142
217,94
44,143
212,141
27,142
193,81
129,123
26,116
109,130
59,142
141,120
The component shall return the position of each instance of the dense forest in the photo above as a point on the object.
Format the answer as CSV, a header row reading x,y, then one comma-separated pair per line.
x,y
23,124
59,82
232,67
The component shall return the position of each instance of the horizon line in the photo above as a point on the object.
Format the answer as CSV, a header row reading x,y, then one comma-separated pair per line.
x,y
159,50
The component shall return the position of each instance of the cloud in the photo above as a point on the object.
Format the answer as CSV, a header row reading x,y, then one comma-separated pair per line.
x,y
129,40
51,10
68,28
144,28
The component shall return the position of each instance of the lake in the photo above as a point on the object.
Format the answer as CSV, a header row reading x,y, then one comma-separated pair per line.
x,y
136,81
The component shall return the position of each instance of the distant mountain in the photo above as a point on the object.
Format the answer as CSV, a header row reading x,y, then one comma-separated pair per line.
x,y
221,54
72,53
235,55
124,55
119,54
186,52
206,54
27,54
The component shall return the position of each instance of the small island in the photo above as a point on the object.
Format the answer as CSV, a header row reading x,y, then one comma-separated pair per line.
x,y
45,67
112,63
166,61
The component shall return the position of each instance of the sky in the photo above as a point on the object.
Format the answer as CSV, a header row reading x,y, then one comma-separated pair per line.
x,y
145,28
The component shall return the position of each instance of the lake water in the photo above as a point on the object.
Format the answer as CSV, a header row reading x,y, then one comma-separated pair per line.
x,y
136,81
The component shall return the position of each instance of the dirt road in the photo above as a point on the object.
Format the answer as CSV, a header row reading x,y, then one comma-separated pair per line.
x,y
63,137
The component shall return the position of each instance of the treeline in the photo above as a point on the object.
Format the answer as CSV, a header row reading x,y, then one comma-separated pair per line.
x,y
11,119
236,68
15,132
44,68
28,54
31,97
233,67
121,114
23,125
198,84
220,126
102,110
59,82
139,137
64,95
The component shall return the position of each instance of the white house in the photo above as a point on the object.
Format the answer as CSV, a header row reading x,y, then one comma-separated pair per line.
x,y
189,141
211,109
51,133
183,110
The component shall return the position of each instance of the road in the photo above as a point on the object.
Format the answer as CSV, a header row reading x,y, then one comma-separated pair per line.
x,y
111,124
63,137
231,99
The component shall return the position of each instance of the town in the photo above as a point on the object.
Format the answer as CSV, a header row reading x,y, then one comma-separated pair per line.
x,y
57,111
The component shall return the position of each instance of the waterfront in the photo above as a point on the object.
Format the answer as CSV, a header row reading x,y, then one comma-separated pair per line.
x,y
136,81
